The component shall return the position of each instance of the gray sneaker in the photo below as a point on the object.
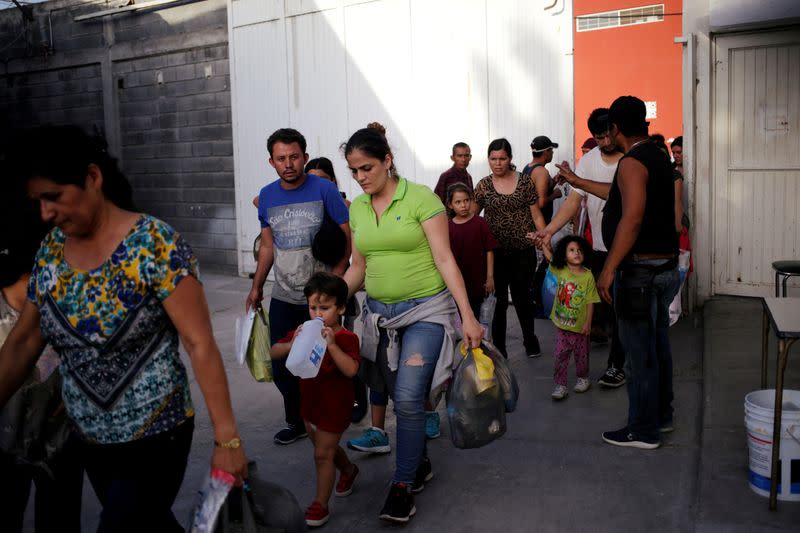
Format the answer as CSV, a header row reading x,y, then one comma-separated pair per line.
x,y
559,392
582,385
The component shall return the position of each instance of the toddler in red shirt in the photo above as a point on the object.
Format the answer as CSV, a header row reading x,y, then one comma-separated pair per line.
x,y
326,401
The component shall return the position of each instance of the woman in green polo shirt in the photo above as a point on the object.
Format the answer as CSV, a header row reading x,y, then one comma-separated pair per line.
x,y
402,254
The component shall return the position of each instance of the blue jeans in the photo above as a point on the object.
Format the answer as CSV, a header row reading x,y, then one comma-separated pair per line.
x,y
420,344
648,361
283,318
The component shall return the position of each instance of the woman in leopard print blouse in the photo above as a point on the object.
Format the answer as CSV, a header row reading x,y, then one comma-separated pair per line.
x,y
508,200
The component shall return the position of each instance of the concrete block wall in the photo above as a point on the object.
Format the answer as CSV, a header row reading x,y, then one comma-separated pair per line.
x,y
71,95
156,84
176,145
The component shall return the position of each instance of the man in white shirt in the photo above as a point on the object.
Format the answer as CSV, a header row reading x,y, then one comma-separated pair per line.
x,y
592,180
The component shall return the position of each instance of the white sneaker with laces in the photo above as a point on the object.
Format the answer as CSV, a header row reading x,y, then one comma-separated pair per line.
x,y
559,392
582,385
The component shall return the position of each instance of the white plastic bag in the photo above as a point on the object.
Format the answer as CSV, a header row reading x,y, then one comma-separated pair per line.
x,y
683,264
244,325
212,497
487,315
675,309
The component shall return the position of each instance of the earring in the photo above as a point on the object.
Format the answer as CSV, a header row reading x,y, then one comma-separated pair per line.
x,y
389,172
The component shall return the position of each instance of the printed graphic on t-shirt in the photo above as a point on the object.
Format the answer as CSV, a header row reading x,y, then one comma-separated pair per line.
x,y
569,299
293,229
294,225
574,294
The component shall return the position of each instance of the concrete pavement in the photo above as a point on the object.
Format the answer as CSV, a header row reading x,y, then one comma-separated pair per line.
x,y
731,369
551,471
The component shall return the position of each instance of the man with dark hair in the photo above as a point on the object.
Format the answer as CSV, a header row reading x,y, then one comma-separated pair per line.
x,y
542,152
639,226
457,173
592,181
677,153
291,211
286,136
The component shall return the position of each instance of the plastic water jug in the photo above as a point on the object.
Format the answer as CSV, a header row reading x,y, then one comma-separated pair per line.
x,y
308,349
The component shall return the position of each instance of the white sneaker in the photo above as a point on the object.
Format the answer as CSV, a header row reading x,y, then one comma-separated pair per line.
x,y
559,393
582,385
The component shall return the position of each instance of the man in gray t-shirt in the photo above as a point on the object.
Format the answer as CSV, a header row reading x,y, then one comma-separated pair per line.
x,y
292,210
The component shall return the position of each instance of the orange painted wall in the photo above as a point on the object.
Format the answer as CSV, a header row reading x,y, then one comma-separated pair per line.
x,y
641,59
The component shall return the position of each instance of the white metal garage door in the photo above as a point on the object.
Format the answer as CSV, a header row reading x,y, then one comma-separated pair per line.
x,y
756,162
433,73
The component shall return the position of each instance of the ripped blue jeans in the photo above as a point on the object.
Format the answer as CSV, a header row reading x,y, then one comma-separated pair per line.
x,y
420,344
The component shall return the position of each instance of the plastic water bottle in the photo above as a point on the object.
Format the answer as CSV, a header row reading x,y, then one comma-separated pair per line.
x,y
308,349
487,315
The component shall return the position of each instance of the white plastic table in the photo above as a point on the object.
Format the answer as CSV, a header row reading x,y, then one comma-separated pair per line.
x,y
783,314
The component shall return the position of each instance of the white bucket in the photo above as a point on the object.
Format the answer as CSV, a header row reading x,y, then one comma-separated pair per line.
x,y
758,419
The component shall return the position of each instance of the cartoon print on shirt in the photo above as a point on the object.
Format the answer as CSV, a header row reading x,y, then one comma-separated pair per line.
x,y
569,298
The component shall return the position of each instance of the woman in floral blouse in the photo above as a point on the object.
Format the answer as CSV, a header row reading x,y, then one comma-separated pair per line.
x,y
509,203
111,291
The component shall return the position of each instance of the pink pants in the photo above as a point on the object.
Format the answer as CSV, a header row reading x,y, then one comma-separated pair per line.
x,y
568,342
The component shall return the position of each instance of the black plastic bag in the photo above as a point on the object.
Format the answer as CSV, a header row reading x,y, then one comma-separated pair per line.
x,y
505,376
475,406
260,507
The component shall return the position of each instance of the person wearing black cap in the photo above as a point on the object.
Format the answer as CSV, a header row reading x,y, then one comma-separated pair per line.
x,y
638,224
542,151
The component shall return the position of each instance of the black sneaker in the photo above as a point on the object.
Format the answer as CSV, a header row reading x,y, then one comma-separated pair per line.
x,y
613,378
623,437
399,506
290,434
535,350
424,474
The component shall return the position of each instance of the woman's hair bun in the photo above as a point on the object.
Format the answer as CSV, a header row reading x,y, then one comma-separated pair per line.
x,y
377,126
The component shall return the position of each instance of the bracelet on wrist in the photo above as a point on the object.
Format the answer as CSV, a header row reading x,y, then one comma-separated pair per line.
x,y
232,444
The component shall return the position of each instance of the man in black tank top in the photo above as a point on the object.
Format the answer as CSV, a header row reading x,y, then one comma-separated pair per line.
x,y
639,227
542,151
